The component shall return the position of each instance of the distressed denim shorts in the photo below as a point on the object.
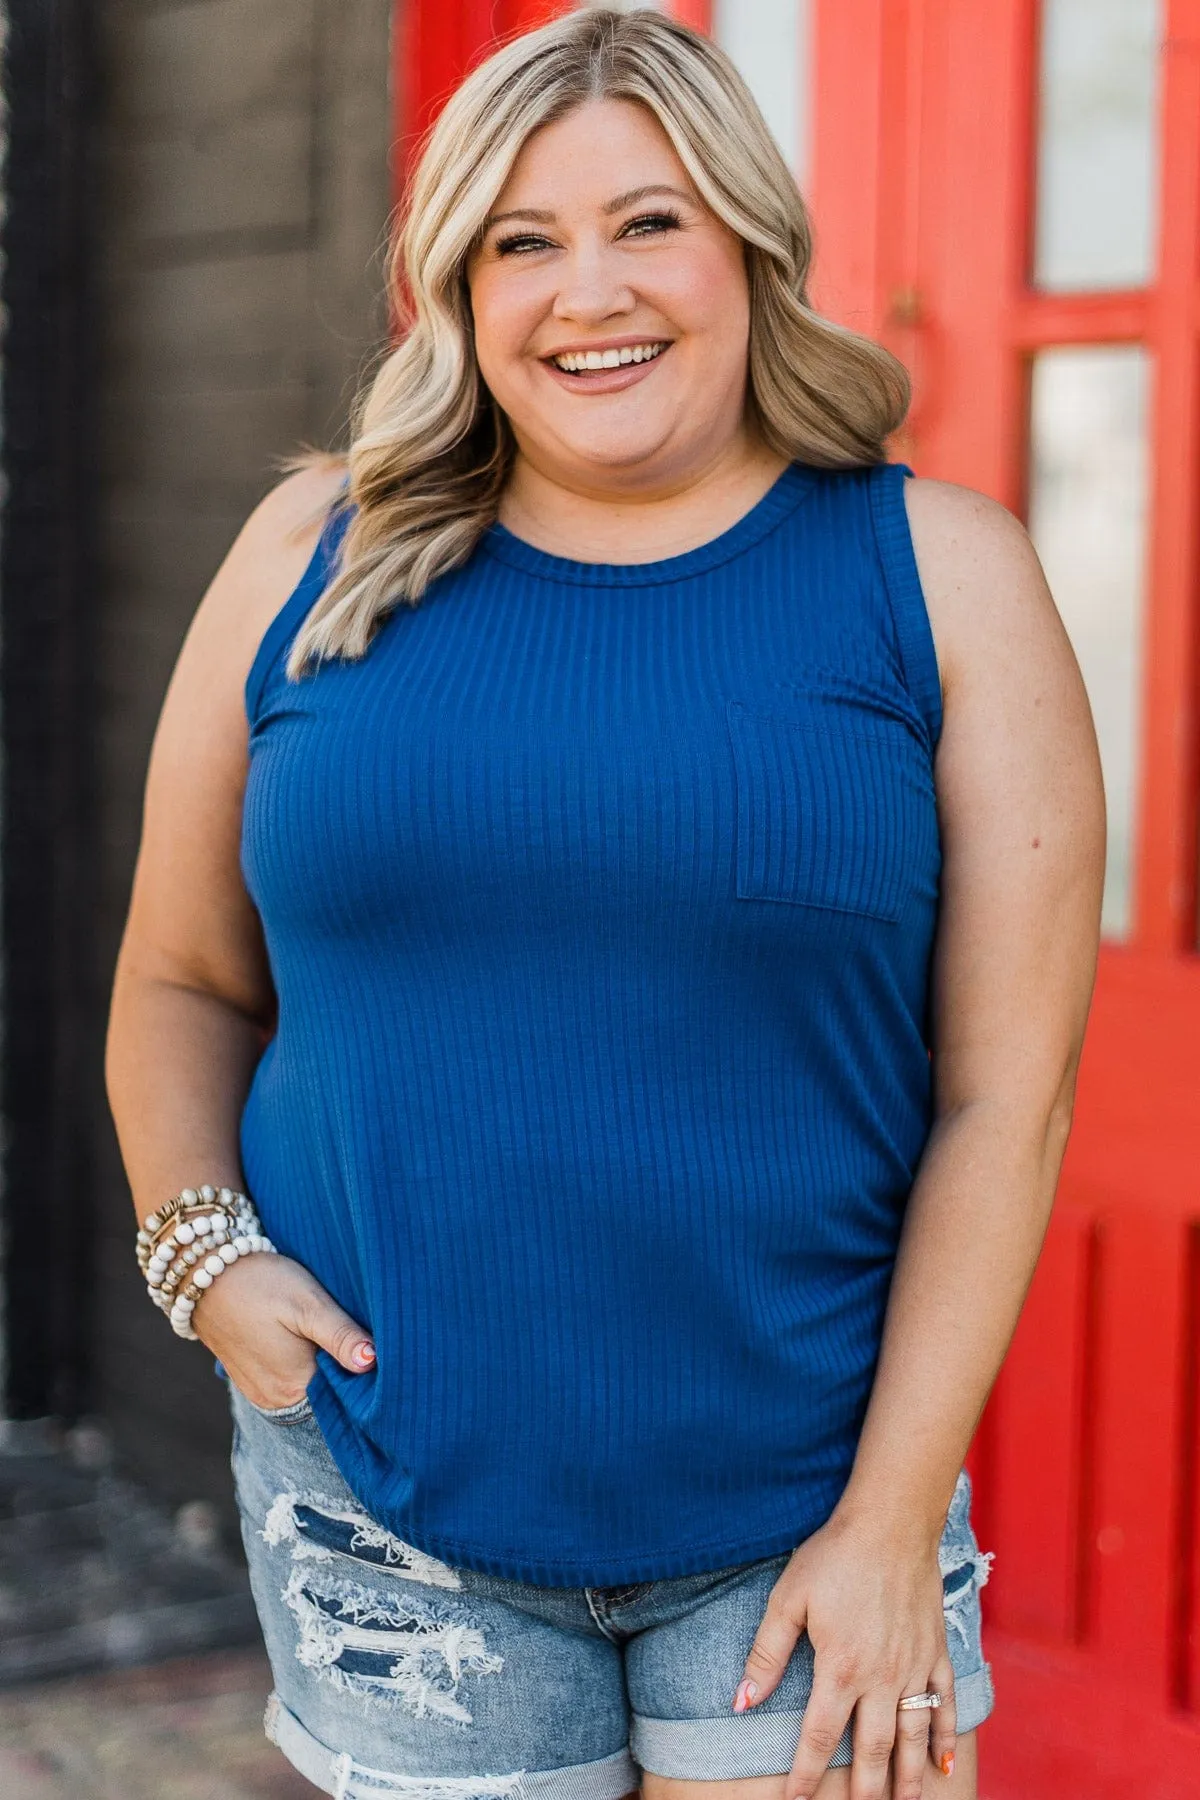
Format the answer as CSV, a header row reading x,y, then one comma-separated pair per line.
x,y
397,1674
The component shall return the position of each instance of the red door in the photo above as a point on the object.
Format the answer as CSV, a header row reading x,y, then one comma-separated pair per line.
x,y
1007,192
1012,201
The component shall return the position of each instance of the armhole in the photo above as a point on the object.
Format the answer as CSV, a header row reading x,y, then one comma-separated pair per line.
x,y
296,607
906,596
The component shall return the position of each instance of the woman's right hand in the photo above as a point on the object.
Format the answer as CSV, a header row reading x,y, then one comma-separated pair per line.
x,y
265,1319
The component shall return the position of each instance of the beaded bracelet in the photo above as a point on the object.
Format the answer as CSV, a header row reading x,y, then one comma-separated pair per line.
x,y
199,1234
193,1238
184,1306
185,1205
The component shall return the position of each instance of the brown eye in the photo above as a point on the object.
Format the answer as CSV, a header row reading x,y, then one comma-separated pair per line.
x,y
655,221
519,243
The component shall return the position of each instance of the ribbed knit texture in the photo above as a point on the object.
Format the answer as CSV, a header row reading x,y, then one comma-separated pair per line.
x,y
599,902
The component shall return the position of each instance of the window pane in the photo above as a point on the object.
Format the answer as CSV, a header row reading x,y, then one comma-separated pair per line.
x,y
1087,519
1097,143
769,42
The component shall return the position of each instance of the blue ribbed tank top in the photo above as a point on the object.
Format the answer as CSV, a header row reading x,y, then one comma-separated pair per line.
x,y
599,901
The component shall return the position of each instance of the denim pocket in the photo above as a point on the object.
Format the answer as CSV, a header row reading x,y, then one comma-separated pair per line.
x,y
296,1414
826,805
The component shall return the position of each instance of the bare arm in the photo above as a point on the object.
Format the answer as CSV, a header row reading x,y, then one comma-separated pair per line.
x,y
192,998
1021,810
1022,819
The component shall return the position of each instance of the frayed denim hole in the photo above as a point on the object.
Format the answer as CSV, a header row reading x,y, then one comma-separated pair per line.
x,y
957,1578
343,1535
965,1569
400,1645
319,1528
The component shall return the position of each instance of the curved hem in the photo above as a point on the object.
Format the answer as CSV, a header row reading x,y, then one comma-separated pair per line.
x,y
698,1559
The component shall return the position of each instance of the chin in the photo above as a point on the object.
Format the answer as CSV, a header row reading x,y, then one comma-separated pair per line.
x,y
618,451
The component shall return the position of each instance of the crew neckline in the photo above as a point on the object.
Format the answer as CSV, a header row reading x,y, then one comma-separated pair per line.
x,y
789,488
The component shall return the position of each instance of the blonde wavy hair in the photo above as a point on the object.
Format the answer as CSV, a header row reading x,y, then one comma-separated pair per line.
x,y
430,449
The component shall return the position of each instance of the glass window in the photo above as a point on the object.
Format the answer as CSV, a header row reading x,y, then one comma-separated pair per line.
x,y
769,42
1097,144
1087,519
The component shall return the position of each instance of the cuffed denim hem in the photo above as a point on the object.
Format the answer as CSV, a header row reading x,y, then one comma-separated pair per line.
x,y
763,1743
335,1772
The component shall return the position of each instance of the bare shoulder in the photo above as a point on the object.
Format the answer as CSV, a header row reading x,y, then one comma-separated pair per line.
x,y
1018,761
201,736
985,590
263,565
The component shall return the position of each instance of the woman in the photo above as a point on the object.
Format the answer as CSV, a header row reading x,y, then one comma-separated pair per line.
x,y
660,844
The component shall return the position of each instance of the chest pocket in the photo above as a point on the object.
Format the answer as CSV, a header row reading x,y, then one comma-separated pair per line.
x,y
833,804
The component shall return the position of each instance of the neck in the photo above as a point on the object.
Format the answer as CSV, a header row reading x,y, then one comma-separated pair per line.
x,y
594,522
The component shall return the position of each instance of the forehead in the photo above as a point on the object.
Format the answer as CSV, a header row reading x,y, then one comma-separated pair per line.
x,y
599,149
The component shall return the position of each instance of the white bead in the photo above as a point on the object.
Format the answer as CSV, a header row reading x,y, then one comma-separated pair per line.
x,y
208,1192
242,1245
185,1233
213,1264
214,1222
228,1254
189,1196
155,1278
202,1278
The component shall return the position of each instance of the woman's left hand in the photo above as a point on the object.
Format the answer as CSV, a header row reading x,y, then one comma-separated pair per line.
x,y
873,1609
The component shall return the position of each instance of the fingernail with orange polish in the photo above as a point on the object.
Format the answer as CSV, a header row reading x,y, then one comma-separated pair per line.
x,y
947,1763
746,1692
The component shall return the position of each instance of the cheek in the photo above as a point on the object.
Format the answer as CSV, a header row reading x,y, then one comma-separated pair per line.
x,y
505,317
707,297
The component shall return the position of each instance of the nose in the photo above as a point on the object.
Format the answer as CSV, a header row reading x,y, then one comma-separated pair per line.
x,y
591,288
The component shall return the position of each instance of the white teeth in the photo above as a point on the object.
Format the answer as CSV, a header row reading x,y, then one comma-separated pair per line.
x,y
575,362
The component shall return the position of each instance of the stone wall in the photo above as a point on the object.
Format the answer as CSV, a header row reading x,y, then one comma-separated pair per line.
x,y
242,191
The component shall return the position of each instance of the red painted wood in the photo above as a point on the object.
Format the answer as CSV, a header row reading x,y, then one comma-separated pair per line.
x,y
1169,795
1087,1463
1066,1728
1035,320
696,13
435,44
844,184
1032,1504
1137,1114
527,15
1130,1603
1187,1671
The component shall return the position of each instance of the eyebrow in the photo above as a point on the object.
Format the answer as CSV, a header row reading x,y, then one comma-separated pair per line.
x,y
611,206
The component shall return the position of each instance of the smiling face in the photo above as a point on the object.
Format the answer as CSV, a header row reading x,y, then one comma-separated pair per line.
x,y
611,307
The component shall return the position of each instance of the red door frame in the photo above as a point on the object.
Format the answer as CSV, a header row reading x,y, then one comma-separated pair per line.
x,y
435,42
1088,1458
